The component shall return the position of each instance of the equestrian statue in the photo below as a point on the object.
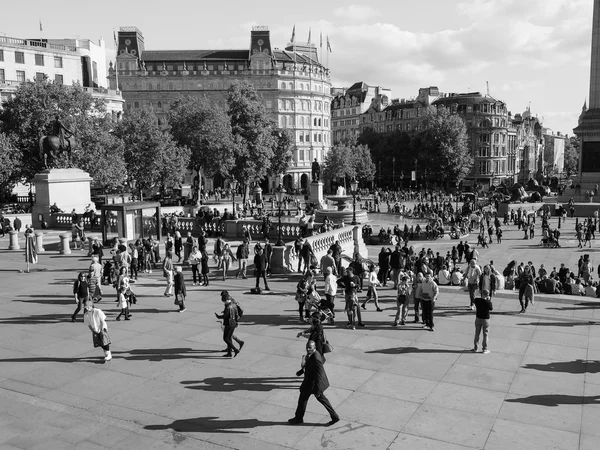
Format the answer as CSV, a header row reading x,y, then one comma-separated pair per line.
x,y
59,141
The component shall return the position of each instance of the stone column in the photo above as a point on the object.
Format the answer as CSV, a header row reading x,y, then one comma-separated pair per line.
x,y
65,247
39,241
13,243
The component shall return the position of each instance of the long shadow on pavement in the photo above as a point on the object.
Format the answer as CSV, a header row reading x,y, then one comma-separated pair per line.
x,y
262,384
585,305
213,425
557,400
403,350
557,324
134,355
579,366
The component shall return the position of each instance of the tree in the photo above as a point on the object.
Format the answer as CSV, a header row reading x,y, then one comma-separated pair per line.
x,y
571,158
101,154
349,161
205,129
338,164
441,144
152,157
10,163
29,113
252,128
283,152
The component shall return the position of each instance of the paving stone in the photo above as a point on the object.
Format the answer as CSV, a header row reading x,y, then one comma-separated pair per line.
x,y
509,434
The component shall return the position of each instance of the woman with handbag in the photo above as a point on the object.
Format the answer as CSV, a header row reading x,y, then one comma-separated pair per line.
x,y
95,319
180,291
315,333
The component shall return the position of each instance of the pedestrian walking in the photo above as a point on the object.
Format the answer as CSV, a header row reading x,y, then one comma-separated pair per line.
x,y
350,284
204,270
373,282
260,267
473,275
95,319
315,383
402,300
330,289
315,333
168,273
230,321
194,259
95,279
240,312
81,292
483,306
428,294
227,258
180,292
122,294
242,254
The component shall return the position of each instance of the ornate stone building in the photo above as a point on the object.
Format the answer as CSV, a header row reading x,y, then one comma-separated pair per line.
x,y
63,61
293,84
349,104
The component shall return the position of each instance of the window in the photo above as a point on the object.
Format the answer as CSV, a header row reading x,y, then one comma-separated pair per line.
x,y
149,86
1,55
483,152
58,79
39,59
2,78
159,105
136,105
301,137
484,138
94,73
20,57
301,154
496,138
39,76
158,86
58,62
496,150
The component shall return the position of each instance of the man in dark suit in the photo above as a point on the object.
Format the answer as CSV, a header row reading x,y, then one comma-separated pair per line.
x,y
315,383
260,266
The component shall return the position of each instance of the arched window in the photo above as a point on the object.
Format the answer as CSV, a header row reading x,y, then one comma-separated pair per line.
x,y
283,122
149,86
282,85
170,86
159,105
158,86
291,121
210,86
319,122
291,85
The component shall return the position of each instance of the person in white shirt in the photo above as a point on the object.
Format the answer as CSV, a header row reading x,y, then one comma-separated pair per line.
x,y
330,290
444,276
457,277
373,282
473,274
95,319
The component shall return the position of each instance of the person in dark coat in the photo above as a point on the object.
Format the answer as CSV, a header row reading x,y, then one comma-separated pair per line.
x,y
315,383
230,321
180,292
260,266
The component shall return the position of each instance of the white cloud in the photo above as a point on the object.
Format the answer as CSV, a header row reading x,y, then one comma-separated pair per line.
x,y
356,12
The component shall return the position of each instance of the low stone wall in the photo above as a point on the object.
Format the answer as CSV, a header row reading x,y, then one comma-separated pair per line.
x,y
507,207
285,259
25,219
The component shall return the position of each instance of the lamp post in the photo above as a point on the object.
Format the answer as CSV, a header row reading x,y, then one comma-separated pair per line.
x,y
233,184
354,187
279,195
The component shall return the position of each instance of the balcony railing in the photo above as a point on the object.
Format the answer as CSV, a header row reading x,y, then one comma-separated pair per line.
x,y
36,43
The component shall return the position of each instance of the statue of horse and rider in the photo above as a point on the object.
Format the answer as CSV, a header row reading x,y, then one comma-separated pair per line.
x,y
59,141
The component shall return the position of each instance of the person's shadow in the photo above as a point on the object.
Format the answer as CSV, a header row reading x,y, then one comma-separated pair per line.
x,y
263,384
213,425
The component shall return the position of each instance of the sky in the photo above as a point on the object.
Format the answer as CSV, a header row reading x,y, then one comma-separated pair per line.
x,y
527,51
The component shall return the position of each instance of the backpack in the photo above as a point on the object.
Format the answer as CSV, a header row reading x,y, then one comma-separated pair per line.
x,y
240,310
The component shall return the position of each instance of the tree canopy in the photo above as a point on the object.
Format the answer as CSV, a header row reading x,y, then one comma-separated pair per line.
x,y
252,128
346,162
152,158
10,162
571,161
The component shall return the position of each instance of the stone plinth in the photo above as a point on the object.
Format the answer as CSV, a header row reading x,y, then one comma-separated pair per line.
x,y
68,188
316,194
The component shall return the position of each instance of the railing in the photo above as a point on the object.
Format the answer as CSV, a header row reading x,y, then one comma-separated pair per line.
x,y
101,90
36,43
26,198
10,83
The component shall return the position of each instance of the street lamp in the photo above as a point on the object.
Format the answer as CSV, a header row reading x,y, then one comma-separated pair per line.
x,y
354,187
279,195
233,184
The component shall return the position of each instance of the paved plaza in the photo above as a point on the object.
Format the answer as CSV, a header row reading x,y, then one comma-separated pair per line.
x,y
168,386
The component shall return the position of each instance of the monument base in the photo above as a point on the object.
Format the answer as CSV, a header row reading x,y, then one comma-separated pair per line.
x,y
316,194
68,188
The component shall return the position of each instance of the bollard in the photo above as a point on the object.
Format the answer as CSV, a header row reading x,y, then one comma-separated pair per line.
x,y
65,247
13,243
559,217
39,241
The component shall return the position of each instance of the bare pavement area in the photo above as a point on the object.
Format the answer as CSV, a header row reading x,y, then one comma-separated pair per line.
x,y
169,387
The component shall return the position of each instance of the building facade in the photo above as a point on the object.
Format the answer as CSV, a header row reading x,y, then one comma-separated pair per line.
x,y
349,104
294,86
63,61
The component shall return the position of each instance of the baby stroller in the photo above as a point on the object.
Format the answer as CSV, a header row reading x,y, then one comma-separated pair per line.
x,y
314,303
